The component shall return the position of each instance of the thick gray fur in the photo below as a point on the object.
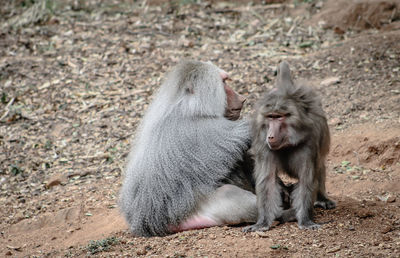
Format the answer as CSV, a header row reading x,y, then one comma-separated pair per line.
x,y
303,158
183,151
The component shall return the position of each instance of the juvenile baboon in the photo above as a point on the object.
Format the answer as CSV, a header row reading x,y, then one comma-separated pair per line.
x,y
188,167
291,135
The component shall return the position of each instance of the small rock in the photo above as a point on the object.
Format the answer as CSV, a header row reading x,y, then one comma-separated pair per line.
x,y
8,253
331,59
386,229
56,180
338,30
141,251
364,213
3,180
7,83
391,199
330,81
262,234
53,182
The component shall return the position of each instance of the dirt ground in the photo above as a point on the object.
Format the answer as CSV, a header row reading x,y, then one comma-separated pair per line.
x,y
75,82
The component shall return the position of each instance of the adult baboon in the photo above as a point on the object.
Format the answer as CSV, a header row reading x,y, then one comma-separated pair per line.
x,y
188,168
290,135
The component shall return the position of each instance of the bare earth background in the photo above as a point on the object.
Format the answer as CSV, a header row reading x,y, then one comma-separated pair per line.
x,y
76,77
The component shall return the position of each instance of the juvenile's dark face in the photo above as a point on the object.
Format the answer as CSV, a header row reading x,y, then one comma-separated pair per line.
x,y
275,117
234,101
277,130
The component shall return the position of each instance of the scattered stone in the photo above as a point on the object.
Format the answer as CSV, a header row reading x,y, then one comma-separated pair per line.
x,y
330,81
262,234
53,182
8,253
338,30
142,251
3,180
391,199
57,179
364,213
386,229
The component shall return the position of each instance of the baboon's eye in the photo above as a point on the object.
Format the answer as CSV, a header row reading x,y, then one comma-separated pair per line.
x,y
274,116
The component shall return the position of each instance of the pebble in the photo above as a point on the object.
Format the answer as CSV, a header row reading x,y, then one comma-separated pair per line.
x,y
364,213
391,199
262,234
53,182
141,252
330,81
386,229
56,180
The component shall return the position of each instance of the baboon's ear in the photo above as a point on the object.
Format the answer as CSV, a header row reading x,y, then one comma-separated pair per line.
x,y
284,79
